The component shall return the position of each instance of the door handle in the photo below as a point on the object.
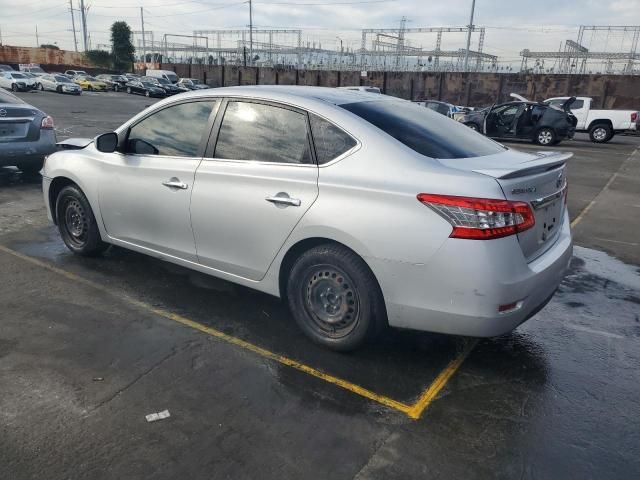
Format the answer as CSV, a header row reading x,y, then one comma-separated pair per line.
x,y
283,199
175,183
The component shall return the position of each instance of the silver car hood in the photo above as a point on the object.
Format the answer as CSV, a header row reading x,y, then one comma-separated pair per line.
x,y
508,164
74,143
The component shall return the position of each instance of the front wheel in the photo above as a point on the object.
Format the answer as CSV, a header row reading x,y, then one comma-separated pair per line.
x,y
545,136
129,90
41,87
334,298
600,133
115,88
146,94
90,88
14,87
77,224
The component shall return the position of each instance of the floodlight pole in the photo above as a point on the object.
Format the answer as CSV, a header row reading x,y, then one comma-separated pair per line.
x,y
144,44
466,53
250,33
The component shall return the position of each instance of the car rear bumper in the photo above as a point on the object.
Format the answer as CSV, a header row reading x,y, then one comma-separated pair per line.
x,y
24,152
460,289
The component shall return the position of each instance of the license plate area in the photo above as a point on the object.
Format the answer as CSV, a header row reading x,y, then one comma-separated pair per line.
x,y
13,131
548,219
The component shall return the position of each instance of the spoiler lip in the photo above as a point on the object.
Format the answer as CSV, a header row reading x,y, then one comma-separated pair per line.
x,y
543,161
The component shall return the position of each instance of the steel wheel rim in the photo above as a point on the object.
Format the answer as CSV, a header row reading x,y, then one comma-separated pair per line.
x,y
545,137
75,222
331,300
600,133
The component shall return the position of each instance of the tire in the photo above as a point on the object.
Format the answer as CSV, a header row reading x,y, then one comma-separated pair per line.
x,y
545,137
115,88
129,90
334,298
600,133
146,94
41,87
59,89
472,126
90,88
30,168
14,87
77,224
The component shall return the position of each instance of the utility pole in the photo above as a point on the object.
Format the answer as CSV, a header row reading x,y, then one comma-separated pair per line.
x,y
144,44
250,33
73,25
83,14
466,53
37,40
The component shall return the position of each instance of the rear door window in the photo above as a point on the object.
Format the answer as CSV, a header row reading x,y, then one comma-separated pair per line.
x,y
424,131
330,141
265,133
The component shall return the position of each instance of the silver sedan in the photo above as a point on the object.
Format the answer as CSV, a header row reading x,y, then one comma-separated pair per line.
x,y
361,210
59,83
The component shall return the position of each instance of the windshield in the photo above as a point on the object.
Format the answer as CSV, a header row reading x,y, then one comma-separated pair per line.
x,y
18,75
164,81
172,76
148,85
37,70
423,130
61,79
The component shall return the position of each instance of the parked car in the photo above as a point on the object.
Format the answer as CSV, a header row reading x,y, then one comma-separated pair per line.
x,y
35,78
34,69
60,84
87,82
145,88
360,212
166,85
442,108
72,73
131,76
192,84
601,125
116,82
26,134
537,122
363,89
6,68
16,81
166,74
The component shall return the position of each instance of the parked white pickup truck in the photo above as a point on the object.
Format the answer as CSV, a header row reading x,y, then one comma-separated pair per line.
x,y
601,125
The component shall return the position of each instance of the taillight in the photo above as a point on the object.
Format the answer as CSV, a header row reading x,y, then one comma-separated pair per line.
x,y
634,117
480,218
47,123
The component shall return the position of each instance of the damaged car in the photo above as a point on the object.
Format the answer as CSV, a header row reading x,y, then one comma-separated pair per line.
x,y
521,119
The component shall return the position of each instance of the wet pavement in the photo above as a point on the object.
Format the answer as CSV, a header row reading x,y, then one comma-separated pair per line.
x,y
83,359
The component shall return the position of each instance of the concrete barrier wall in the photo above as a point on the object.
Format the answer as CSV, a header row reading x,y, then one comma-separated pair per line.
x,y
472,89
44,56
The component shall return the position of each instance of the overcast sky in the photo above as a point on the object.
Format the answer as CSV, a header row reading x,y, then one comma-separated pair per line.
x,y
511,24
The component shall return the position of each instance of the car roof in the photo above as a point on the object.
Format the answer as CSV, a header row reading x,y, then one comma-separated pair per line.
x,y
294,94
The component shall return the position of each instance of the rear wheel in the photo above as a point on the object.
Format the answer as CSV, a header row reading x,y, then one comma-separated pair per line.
x,y
14,87
335,298
545,136
116,88
59,89
41,87
473,126
600,133
77,224
90,88
146,94
129,90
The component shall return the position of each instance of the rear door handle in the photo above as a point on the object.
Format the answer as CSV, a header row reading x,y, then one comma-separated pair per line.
x,y
175,183
283,199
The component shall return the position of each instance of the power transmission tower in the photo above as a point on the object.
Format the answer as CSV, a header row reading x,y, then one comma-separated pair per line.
x,y
144,44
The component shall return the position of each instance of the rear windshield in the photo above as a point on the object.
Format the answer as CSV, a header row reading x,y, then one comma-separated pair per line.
x,y
6,97
423,130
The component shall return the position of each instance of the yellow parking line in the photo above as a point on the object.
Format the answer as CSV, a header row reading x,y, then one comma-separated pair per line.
x,y
430,394
413,411
586,209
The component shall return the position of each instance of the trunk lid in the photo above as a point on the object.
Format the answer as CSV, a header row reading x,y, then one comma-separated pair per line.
x,y
538,179
19,123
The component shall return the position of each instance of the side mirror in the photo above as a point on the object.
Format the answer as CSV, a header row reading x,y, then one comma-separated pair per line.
x,y
107,142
